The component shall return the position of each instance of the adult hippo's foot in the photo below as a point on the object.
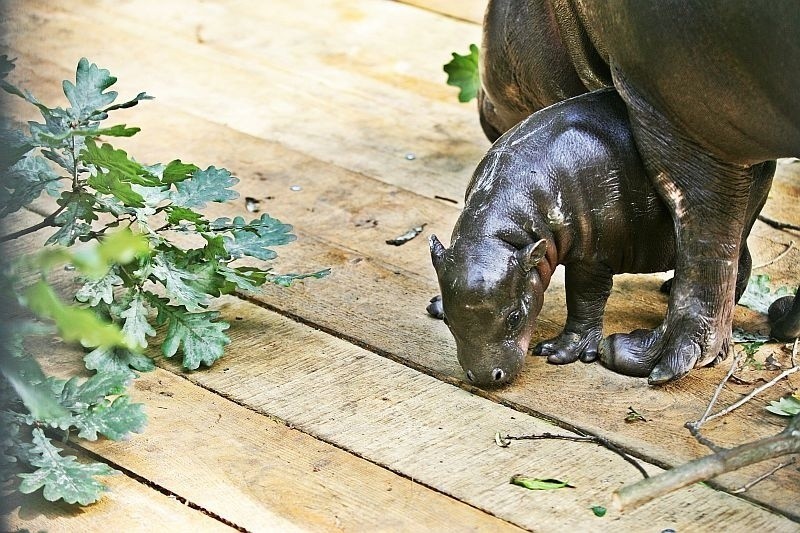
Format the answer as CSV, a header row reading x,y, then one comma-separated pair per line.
x,y
568,347
648,353
784,317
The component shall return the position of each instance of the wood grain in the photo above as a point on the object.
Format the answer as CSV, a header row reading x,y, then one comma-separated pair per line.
x,y
283,98
128,506
471,10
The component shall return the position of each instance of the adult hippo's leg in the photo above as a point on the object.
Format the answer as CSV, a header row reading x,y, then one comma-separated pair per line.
x,y
588,287
709,202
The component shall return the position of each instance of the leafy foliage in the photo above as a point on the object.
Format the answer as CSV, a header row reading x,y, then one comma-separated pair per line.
x,y
62,477
759,295
533,483
788,406
462,72
134,274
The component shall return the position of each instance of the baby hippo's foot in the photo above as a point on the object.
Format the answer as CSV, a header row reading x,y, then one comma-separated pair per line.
x,y
645,352
435,308
784,317
568,347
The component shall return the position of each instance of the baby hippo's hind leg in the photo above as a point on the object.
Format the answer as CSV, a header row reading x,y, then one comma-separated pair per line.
x,y
784,317
587,287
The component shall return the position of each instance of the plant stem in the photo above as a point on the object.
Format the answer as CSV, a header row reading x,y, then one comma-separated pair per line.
x,y
641,492
586,438
46,222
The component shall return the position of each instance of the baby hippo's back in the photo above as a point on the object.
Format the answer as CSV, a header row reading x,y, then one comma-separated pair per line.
x,y
579,167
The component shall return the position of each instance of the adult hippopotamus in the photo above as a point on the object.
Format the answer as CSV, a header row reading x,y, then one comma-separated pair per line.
x,y
711,90
564,186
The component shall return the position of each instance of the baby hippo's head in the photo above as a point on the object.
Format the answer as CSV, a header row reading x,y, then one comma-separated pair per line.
x,y
491,294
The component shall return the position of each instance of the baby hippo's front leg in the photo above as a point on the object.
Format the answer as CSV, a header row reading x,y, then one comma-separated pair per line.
x,y
587,288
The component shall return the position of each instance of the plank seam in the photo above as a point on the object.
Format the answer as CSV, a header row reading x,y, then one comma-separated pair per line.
x,y
478,392
154,486
306,431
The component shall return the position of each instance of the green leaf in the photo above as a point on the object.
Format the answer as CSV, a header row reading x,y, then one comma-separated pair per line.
x,y
109,183
177,214
177,171
788,406
98,405
533,483
79,207
116,248
62,477
254,239
599,510
26,377
136,326
759,294
210,185
120,130
286,280
199,335
100,290
130,103
244,278
110,359
86,95
117,163
462,72
13,145
214,249
24,182
74,323
181,283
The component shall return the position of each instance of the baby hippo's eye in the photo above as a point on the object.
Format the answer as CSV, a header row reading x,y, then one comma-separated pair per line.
x,y
514,319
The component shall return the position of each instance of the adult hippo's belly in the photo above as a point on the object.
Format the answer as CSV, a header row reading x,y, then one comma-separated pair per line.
x,y
711,89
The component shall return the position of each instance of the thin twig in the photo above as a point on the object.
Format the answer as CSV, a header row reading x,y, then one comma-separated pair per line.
x,y
694,427
755,391
46,222
794,351
759,479
784,443
586,438
777,258
777,224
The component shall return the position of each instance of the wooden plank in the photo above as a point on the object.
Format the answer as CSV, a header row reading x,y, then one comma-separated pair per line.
x,y
393,102
128,506
371,314
471,10
440,435
368,312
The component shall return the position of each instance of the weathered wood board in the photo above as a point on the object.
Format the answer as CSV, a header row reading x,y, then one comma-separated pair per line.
x,y
337,103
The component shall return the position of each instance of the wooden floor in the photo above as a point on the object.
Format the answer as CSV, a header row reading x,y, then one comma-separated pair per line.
x,y
340,404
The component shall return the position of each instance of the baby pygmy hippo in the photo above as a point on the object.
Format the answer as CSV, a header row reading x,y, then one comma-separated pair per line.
x,y
564,186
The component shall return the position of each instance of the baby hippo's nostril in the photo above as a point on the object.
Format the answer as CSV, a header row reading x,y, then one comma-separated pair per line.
x,y
498,374
470,375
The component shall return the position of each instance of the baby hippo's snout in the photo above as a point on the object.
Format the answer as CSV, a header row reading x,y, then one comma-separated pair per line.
x,y
495,369
498,377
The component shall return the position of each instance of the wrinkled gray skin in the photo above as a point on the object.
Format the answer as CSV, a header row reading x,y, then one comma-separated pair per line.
x,y
711,90
565,186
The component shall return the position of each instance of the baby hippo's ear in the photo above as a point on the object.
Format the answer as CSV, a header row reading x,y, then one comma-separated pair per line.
x,y
437,252
531,255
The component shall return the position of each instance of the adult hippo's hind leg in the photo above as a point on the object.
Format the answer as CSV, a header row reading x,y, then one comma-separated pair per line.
x,y
708,200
